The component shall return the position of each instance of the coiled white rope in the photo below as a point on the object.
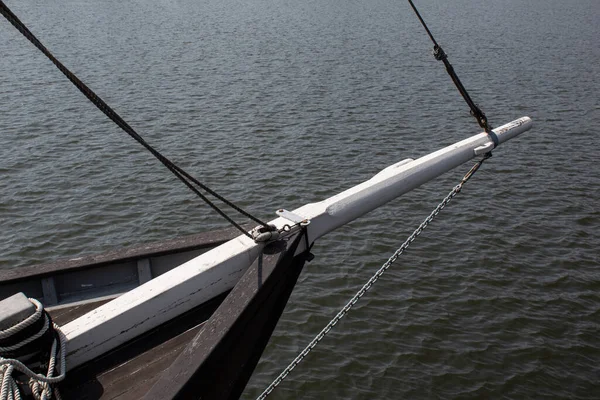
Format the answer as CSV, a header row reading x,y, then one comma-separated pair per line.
x,y
40,384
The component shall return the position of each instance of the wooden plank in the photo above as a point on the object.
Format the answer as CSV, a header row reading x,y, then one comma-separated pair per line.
x,y
159,300
144,270
64,315
131,370
131,381
202,240
49,290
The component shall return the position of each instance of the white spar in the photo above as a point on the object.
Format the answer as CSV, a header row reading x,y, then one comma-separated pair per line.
x,y
217,271
399,179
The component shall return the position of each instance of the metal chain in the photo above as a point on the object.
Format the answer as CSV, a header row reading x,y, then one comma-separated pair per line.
x,y
342,313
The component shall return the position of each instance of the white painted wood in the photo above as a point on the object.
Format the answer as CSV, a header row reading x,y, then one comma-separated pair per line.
x,y
397,180
159,300
218,270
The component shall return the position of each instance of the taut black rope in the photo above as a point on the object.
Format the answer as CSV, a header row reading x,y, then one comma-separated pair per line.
x,y
440,55
186,178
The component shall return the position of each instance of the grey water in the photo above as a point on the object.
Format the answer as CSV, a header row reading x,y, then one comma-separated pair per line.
x,y
279,103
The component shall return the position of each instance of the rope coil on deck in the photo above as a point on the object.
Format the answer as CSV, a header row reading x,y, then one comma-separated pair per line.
x,y
342,313
41,385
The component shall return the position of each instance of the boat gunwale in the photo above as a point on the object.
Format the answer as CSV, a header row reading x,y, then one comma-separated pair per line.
x,y
208,239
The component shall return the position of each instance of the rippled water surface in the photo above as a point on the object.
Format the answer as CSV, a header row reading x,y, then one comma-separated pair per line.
x,y
279,103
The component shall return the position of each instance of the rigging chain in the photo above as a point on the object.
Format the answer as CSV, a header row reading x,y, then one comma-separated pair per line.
x,y
182,175
342,313
440,55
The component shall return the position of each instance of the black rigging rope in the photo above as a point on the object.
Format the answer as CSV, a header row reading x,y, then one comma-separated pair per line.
x,y
182,175
440,55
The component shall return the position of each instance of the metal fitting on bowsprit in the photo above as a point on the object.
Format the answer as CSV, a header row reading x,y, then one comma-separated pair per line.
x,y
265,233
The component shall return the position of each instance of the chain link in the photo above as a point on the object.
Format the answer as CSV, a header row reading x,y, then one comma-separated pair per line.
x,y
342,313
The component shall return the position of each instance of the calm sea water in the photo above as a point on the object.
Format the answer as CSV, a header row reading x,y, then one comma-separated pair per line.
x,y
279,103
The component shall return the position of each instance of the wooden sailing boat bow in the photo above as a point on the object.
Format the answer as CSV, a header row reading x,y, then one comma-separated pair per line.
x,y
263,265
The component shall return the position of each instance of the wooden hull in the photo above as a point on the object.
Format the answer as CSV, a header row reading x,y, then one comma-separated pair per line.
x,y
104,276
130,371
210,351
